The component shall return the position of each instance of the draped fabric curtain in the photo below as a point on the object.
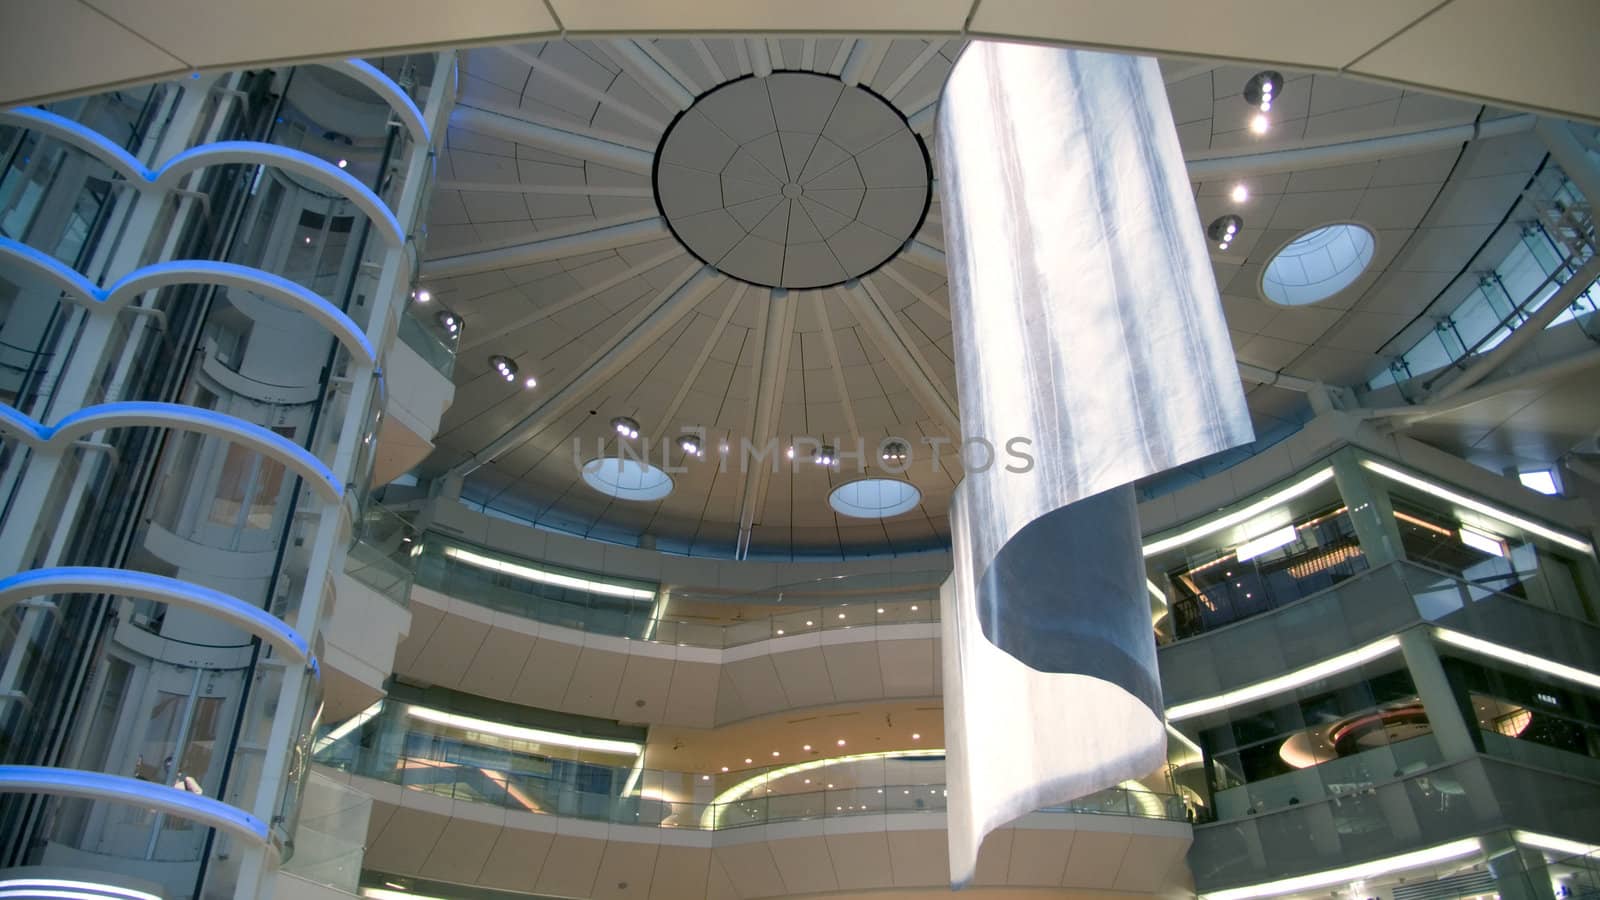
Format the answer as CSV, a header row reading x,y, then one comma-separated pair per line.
x,y
1087,323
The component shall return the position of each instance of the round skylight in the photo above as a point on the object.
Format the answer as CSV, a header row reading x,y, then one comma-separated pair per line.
x,y
874,498
627,479
1318,264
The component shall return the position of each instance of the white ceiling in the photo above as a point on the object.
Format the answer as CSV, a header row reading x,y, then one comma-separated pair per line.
x,y
561,262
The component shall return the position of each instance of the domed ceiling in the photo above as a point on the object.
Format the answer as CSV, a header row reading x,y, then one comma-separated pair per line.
x,y
739,240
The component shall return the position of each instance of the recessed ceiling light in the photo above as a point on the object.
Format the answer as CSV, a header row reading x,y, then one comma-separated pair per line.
x,y
1260,123
532,382
423,295
308,238
449,321
343,163
806,748
505,366
724,768
840,742
913,607
748,760
808,623
705,777
915,736
774,753
780,632
625,427
880,610
841,615
1240,193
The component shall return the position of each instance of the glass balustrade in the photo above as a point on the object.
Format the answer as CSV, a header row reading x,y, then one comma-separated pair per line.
x,y
513,768
640,611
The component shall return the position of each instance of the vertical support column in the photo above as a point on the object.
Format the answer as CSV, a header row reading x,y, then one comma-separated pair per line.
x,y
1370,510
1438,697
1519,873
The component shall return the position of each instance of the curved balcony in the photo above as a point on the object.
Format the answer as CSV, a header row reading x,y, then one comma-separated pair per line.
x,y
536,635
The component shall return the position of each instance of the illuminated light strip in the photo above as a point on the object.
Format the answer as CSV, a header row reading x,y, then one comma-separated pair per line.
x,y
1287,681
1266,543
544,576
347,726
386,894
1239,516
1359,872
61,887
1423,523
1478,506
1526,660
1482,541
1184,739
524,733
1554,844
708,818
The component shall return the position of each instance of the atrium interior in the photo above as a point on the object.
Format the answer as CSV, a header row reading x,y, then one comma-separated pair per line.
x,y
529,451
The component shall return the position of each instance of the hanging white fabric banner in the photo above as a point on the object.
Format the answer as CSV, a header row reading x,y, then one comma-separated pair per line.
x,y
1087,322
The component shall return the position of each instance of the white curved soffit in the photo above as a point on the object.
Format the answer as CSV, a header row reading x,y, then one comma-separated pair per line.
x,y
133,792
123,292
220,153
151,414
161,589
370,77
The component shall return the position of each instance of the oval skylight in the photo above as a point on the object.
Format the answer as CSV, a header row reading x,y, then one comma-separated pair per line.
x,y
1318,264
874,498
627,479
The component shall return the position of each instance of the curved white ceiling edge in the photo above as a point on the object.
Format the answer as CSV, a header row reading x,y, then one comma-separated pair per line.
x,y
1531,56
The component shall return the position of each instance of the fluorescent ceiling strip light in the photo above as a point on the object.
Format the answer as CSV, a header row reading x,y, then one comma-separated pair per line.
x,y
544,576
1268,542
1478,506
708,818
1554,844
1482,542
1517,657
524,733
386,894
1286,681
1360,872
1240,516
10,886
1184,740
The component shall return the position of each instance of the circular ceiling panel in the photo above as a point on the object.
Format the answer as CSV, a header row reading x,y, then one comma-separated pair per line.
x,y
795,180
1318,264
626,479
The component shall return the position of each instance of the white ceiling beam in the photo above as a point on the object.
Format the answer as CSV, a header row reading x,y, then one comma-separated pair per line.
x,y
942,309
693,374
925,256
571,300
890,337
556,140
562,190
808,54
667,308
585,89
1209,167
710,61
625,234
760,59
649,72
865,59
770,370
913,70
832,350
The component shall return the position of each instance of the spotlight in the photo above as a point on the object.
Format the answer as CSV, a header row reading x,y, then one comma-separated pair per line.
x,y
308,239
625,427
1240,193
1262,89
532,382
1260,123
343,163
690,445
449,321
505,366
790,453
825,456
1223,229
894,452
422,295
